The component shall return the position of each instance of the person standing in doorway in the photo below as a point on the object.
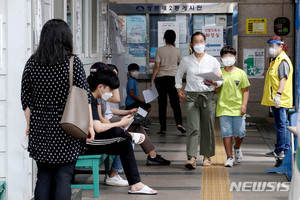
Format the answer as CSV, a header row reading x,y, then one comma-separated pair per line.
x,y
200,100
167,59
278,93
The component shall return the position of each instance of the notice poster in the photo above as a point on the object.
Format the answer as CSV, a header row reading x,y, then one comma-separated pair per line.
x,y
183,34
214,39
210,20
123,28
137,54
136,29
166,25
256,26
254,62
221,20
198,22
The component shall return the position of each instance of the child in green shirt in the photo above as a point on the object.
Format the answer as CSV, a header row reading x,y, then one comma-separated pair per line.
x,y
232,105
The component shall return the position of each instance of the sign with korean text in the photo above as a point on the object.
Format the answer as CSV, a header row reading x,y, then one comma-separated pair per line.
x,y
254,62
166,25
214,39
256,26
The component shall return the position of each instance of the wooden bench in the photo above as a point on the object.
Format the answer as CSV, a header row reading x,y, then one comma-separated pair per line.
x,y
93,162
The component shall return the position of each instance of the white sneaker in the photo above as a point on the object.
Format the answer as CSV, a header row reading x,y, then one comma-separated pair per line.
x,y
238,155
229,162
116,181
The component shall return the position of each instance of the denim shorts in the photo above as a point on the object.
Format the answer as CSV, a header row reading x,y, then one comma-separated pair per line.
x,y
232,124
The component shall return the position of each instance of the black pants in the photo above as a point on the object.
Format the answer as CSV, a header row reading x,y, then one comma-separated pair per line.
x,y
54,181
117,142
165,86
137,104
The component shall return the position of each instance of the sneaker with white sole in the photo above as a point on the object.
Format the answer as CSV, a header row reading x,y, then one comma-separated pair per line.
x,y
116,181
238,155
275,155
229,162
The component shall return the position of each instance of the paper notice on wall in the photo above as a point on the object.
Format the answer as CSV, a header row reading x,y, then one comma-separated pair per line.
x,y
183,34
214,39
123,28
136,29
137,54
210,20
184,49
163,27
198,22
254,62
221,20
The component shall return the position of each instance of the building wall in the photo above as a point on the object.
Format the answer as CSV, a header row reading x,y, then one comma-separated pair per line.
x,y
269,9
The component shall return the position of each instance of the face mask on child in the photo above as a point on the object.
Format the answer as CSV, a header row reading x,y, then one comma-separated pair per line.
x,y
105,96
228,61
134,74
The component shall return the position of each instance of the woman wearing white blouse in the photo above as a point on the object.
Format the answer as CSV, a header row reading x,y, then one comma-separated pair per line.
x,y
200,100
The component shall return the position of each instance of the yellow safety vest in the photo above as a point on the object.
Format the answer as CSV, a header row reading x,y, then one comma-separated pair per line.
x,y
272,83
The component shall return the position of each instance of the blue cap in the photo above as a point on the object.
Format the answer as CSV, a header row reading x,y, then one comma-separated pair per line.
x,y
275,42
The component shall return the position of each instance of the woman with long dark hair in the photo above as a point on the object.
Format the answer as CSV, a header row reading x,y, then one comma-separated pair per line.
x,y
45,86
167,59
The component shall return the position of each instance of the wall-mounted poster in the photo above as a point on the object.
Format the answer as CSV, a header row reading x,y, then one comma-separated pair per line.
x,y
166,25
136,29
254,62
214,39
221,20
198,22
137,54
210,20
123,28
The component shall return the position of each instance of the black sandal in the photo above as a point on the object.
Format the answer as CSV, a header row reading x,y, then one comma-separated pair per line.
x,y
181,129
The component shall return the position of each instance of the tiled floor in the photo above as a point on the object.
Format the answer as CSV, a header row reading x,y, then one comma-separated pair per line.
x,y
174,182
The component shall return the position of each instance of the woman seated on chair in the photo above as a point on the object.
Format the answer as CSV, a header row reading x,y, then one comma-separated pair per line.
x,y
109,138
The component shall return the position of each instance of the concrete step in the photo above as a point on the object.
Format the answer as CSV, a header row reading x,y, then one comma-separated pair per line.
x,y
76,194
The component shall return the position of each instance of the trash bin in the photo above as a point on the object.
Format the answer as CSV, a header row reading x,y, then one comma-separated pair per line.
x,y
2,190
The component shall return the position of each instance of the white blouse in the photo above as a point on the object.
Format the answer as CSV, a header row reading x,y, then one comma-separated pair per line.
x,y
191,66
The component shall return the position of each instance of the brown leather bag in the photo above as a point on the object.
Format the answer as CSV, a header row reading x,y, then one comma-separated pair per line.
x,y
76,116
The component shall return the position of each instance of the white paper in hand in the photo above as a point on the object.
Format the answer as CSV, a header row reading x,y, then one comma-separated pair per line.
x,y
129,124
150,95
142,112
210,76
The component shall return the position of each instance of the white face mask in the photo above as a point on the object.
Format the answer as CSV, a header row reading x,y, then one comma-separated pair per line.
x,y
228,61
106,96
199,48
134,74
272,52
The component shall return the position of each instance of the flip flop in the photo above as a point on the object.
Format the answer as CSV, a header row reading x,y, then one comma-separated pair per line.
x,y
181,129
145,190
137,137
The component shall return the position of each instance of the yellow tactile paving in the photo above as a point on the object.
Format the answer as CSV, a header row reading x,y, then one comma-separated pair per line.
x,y
215,179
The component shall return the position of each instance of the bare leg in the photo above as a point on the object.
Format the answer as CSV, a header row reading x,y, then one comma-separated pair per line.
x,y
238,142
228,146
152,154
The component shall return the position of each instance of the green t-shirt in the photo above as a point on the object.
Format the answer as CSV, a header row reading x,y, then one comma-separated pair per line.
x,y
230,97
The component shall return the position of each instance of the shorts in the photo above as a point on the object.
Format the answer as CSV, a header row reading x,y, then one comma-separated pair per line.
x,y
232,124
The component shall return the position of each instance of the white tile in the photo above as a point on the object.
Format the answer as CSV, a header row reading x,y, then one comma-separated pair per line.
x,y
2,139
2,88
2,165
2,113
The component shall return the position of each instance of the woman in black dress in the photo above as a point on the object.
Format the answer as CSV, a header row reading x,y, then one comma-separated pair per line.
x,y
45,86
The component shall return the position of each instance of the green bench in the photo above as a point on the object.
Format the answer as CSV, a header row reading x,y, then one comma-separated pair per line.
x,y
2,190
93,162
